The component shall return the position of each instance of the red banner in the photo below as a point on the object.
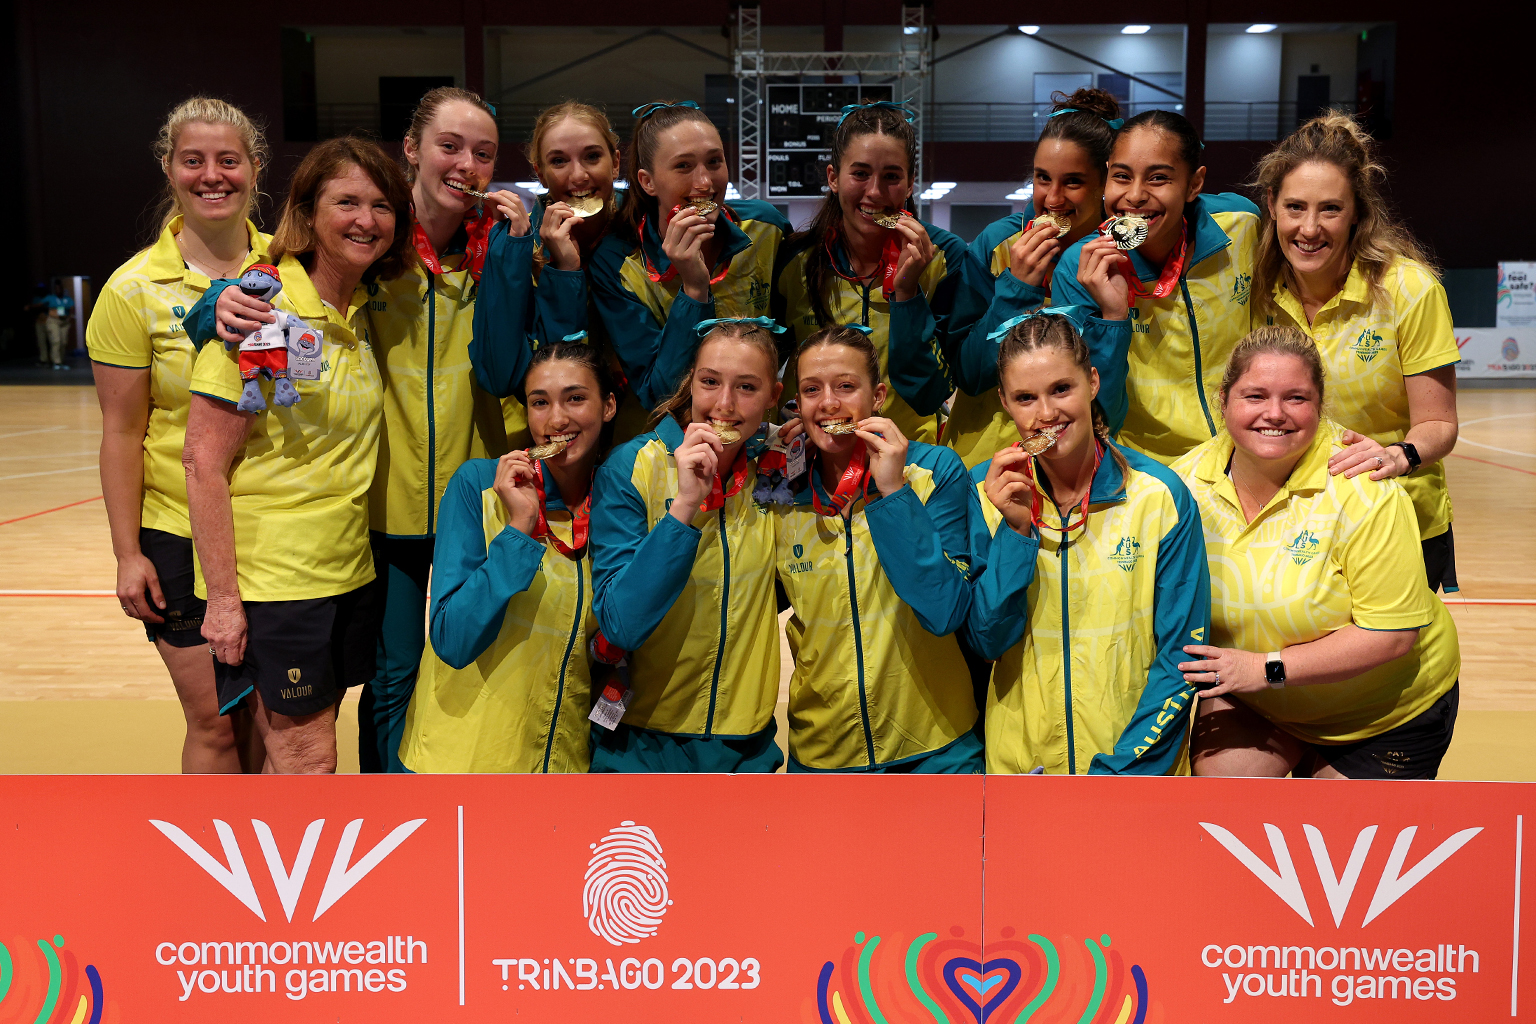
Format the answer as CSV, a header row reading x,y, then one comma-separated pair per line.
x,y
847,900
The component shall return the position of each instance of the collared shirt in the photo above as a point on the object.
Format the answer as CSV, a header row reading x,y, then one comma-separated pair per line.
x,y
299,487
136,323
1325,552
1368,347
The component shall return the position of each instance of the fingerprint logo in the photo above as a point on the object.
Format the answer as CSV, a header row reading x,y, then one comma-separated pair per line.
x,y
626,887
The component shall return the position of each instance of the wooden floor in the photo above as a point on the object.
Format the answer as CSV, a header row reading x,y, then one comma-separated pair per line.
x,y
81,690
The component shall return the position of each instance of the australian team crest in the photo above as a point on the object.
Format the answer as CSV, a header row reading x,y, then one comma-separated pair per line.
x,y
1304,547
1127,553
1241,287
1368,345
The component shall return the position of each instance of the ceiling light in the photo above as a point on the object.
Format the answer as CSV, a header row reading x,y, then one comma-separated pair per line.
x,y
531,186
1135,30
945,185
911,30
1029,30
1258,29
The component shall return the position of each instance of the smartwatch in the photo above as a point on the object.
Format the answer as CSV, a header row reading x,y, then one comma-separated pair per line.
x,y
1414,462
1274,670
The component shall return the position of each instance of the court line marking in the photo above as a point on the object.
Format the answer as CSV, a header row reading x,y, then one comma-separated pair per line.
x,y
39,455
34,515
39,430
50,472
1493,448
58,593
1489,601
1490,419
1458,455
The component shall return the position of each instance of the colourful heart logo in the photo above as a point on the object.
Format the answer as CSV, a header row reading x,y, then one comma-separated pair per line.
x,y
980,979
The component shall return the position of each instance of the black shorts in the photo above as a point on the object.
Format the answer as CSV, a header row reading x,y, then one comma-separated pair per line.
x,y
302,655
1440,561
183,613
1411,751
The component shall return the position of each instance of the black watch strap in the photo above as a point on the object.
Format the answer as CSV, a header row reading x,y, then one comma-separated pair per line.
x,y
1414,462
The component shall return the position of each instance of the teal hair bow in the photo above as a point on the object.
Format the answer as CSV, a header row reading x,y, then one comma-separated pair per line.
x,y
1077,314
1115,124
703,327
647,109
866,331
900,108
578,336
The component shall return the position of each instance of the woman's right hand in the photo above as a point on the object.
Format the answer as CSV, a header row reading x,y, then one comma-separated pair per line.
x,y
224,629
1010,489
1098,272
135,575
1030,258
555,232
683,243
698,461
514,486
238,314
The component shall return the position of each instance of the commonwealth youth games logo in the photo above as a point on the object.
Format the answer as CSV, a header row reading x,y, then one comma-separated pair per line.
x,y
1368,345
1303,547
625,895
1127,553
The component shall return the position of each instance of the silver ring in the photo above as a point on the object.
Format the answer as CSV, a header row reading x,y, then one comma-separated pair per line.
x,y
1218,677
1379,462
212,651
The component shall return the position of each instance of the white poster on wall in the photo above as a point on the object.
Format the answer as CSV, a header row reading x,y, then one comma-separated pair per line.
x,y
1516,302
1496,351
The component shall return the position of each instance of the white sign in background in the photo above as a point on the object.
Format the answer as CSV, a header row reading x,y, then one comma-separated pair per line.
x,y
1516,303
1496,351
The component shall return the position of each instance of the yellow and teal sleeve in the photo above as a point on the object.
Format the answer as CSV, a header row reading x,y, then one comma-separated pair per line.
x,y
1152,740
201,323
655,355
999,599
502,346
1108,341
638,572
560,305
471,584
926,549
974,362
924,329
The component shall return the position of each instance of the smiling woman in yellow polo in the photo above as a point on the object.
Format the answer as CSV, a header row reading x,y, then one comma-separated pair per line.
x,y
1341,664
279,498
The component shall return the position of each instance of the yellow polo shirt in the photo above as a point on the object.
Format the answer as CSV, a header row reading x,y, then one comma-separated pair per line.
x,y
299,487
1368,347
1323,553
136,324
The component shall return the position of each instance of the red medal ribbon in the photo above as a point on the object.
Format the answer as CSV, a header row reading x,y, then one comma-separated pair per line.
x,y
660,278
890,256
1037,502
581,520
1172,269
718,493
477,225
853,482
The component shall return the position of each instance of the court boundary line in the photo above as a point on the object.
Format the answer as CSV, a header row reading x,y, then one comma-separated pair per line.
x,y
34,515
1496,465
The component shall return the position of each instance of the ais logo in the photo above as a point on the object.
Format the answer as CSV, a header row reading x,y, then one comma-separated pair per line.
x,y
1394,884
236,878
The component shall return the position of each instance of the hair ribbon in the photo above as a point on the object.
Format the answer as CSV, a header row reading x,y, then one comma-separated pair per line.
x,y
861,328
647,109
703,327
1116,124
1076,314
900,108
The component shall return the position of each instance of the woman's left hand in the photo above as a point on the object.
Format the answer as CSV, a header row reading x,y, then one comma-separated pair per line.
x,y
508,206
1224,670
887,453
1364,455
916,253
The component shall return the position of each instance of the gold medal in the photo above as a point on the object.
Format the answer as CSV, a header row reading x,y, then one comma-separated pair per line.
x,y
1041,440
725,432
547,450
589,205
705,206
461,187
888,220
1128,230
1061,224
838,427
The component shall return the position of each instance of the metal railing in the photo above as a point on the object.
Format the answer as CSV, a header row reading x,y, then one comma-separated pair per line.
x,y
1229,122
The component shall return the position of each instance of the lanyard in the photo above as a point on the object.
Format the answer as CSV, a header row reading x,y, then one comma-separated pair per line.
x,y
718,494
890,255
477,225
1172,269
581,519
660,278
853,483
1037,502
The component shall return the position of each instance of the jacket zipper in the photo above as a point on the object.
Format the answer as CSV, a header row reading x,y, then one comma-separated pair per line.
x,y
725,604
431,415
1194,333
1066,651
858,645
570,642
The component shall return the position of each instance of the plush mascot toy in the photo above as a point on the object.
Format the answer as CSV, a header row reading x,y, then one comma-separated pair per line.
x,y
265,350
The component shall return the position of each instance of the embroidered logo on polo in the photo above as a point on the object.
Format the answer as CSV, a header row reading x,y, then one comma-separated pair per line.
x,y
1368,345
1127,553
180,311
1241,286
1303,547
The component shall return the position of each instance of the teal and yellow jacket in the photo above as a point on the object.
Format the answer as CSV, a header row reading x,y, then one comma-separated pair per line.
x,y
1087,631
693,605
912,337
1179,346
650,323
505,685
879,678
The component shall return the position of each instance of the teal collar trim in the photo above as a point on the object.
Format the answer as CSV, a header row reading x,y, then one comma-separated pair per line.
x,y
1108,483
803,496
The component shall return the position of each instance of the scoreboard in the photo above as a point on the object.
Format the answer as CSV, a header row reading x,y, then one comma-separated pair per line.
x,y
801,119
